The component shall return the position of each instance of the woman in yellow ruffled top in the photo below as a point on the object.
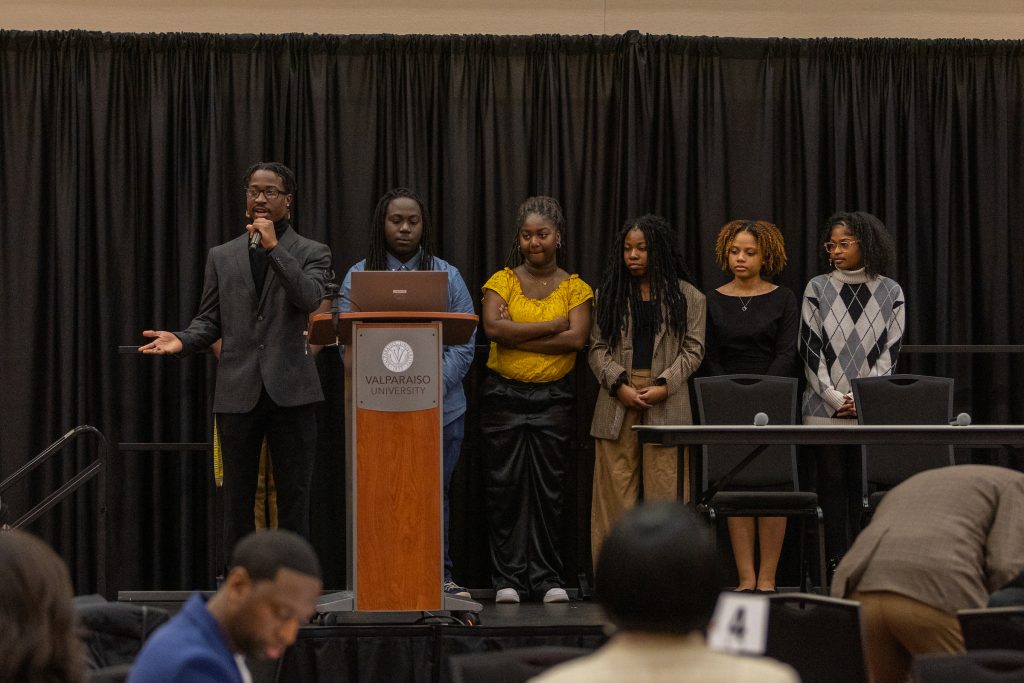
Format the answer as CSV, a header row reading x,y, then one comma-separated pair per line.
x,y
537,317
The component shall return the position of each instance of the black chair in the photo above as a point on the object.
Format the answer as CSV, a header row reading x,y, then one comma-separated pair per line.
x,y
977,666
114,632
819,637
906,400
510,666
992,628
770,479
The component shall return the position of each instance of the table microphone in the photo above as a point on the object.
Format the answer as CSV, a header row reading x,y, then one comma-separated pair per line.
x,y
760,419
962,420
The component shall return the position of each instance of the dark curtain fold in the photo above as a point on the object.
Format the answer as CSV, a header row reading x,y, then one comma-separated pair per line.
x,y
121,159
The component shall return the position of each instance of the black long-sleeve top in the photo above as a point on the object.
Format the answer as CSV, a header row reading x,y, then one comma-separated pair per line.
x,y
760,340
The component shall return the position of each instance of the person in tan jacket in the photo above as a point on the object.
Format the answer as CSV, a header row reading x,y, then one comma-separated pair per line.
x,y
939,542
646,341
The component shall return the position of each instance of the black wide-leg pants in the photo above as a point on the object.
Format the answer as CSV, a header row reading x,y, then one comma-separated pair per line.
x,y
527,433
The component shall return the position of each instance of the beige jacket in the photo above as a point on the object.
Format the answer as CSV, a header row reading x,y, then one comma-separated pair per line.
x,y
945,537
674,359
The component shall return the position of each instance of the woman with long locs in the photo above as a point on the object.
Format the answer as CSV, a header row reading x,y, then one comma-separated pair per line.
x,y
752,329
537,317
647,339
851,325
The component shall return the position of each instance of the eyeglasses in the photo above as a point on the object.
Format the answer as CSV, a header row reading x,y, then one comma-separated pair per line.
x,y
270,193
841,244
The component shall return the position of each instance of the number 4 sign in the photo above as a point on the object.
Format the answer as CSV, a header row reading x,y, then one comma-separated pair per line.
x,y
740,624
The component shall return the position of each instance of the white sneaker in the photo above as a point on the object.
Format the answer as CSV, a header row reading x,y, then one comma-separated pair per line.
x,y
507,596
556,595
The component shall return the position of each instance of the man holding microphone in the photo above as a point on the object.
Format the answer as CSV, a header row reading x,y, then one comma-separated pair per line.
x,y
258,292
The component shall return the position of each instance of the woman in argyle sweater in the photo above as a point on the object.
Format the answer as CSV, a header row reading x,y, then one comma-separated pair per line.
x,y
851,326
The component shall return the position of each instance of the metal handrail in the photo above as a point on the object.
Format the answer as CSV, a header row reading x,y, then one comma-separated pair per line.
x,y
93,469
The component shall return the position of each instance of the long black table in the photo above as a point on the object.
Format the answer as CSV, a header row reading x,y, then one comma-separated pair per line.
x,y
977,436
940,435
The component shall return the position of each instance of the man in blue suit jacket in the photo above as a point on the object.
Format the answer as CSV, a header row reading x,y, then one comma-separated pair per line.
x,y
271,589
258,293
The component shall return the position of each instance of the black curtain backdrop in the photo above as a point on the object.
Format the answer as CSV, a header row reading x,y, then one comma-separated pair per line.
x,y
120,166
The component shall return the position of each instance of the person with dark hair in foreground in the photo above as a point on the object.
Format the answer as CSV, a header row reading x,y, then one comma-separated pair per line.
x,y
658,578
259,290
37,621
939,542
271,589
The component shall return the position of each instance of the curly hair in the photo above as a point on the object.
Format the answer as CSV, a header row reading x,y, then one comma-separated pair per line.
x,y
547,208
376,258
37,620
769,241
282,171
619,294
877,248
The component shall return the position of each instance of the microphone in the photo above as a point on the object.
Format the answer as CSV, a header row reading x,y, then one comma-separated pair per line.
x,y
254,239
962,420
760,420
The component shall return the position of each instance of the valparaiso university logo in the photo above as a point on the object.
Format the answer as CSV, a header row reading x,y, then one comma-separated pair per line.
x,y
397,356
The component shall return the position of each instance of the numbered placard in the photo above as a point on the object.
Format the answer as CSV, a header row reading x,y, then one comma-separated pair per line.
x,y
740,624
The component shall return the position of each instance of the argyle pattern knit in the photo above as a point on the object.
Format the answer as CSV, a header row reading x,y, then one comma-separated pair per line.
x,y
851,326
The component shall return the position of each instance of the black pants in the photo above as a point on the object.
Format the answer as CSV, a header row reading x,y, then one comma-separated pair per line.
x,y
839,492
291,433
527,431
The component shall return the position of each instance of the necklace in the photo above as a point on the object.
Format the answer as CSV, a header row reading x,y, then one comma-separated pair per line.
x,y
745,303
537,279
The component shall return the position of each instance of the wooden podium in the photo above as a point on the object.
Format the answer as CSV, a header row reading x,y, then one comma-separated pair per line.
x,y
394,457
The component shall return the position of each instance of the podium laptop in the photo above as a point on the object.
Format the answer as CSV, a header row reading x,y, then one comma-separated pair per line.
x,y
399,290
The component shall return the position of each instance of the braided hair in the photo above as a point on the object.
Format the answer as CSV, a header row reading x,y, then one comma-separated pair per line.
x,y
877,248
620,294
547,208
376,258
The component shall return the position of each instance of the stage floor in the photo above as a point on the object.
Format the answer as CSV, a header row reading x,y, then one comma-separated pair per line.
x,y
524,615
412,646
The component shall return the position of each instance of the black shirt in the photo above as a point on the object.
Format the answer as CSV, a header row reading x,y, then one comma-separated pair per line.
x,y
760,340
258,262
643,336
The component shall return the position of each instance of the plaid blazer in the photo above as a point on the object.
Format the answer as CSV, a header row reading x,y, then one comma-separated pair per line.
x,y
674,359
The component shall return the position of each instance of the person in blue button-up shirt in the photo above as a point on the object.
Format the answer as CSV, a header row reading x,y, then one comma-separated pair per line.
x,y
401,239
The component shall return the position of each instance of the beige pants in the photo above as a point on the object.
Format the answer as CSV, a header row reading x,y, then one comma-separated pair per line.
x,y
897,627
618,465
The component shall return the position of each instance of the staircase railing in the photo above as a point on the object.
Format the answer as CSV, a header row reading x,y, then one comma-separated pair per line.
x,y
96,468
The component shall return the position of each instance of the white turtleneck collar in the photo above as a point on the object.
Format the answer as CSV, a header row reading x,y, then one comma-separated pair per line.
x,y
850,277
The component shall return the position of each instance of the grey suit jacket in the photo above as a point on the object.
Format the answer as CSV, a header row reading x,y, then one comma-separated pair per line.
x,y
945,537
264,341
674,359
